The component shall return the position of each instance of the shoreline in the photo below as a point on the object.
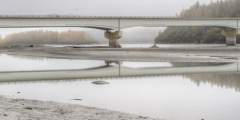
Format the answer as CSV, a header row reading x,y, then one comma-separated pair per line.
x,y
22,109
171,54
111,71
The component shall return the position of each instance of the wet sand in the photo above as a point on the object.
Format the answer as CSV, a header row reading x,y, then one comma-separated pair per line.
x,y
112,71
194,53
20,109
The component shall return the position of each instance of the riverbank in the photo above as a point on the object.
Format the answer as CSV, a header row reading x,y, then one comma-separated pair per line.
x,y
175,53
112,71
20,109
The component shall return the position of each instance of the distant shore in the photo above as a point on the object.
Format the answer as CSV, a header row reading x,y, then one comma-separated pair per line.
x,y
20,109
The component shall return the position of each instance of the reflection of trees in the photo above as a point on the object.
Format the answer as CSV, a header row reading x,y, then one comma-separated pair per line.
x,y
192,64
226,80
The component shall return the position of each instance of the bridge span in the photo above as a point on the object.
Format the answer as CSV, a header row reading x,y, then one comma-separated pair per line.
x,y
114,25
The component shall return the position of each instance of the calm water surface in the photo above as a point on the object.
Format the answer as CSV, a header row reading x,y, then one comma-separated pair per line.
x,y
209,96
143,45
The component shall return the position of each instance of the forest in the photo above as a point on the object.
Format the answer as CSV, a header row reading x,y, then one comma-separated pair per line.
x,y
40,37
210,35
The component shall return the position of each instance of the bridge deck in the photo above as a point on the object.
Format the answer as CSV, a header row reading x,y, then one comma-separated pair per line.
x,y
111,22
105,17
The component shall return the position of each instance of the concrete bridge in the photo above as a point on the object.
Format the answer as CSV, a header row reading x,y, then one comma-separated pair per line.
x,y
114,25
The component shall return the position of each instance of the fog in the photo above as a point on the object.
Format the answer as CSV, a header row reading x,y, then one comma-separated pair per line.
x,y
97,7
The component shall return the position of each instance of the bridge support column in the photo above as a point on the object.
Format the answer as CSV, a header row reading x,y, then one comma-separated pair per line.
x,y
113,38
231,37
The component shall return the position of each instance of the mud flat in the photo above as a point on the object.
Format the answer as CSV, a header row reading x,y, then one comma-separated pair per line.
x,y
20,109
172,54
111,71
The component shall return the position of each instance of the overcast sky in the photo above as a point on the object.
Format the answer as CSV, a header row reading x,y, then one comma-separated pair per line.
x,y
97,7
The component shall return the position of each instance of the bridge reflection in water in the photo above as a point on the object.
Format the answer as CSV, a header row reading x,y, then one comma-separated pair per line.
x,y
179,91
118,69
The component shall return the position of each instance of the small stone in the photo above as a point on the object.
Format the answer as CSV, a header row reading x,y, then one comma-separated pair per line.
x,y
142,117
5,115
28,108
77,99
100,82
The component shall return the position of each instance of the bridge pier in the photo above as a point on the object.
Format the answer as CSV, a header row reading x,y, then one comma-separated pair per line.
x,y
113,37
231,37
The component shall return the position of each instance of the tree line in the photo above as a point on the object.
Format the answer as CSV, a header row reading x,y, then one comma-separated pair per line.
x,y
218,9
40,37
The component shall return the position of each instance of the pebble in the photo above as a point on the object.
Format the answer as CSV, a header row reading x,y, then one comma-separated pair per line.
x,y
100,82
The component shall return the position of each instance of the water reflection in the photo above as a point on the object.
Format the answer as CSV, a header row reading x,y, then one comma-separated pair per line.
x,y
27,63
229,80
172,91
17,68
172,97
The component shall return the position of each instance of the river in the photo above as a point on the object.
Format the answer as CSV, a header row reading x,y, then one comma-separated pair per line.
x,y
178,96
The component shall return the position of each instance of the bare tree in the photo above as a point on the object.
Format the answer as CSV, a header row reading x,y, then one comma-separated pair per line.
x,y
46,37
